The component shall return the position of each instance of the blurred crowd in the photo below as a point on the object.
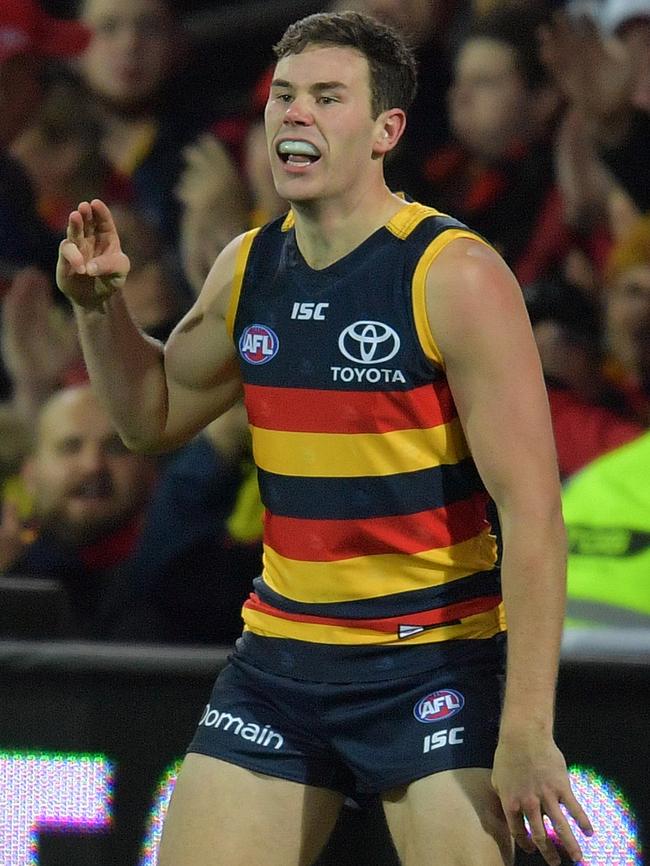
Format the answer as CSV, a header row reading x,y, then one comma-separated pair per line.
x,y
531,125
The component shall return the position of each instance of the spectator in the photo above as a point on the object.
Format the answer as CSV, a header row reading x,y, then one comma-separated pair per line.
x,y
607,513
28,38
15,444
496,173
39,342
595,204
215,204
605,78
626,301
134,67
62,153
590,415
629,21
39,336
134,553
153,298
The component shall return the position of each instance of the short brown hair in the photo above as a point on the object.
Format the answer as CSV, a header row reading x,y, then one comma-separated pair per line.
x,y
392,64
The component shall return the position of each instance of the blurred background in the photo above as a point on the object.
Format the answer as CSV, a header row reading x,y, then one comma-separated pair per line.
x,y
122,577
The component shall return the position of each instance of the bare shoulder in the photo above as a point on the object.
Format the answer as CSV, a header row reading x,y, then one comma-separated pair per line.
x,y
471,294
215,295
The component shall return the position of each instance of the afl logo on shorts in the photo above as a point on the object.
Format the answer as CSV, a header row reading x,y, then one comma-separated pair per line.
x,y
439,706
258,344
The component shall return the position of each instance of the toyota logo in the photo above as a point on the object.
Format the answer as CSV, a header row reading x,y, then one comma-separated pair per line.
x,y
369,342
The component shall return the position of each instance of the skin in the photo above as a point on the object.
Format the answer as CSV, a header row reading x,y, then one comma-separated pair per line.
x,y
83,479
132,49
482,329
489,101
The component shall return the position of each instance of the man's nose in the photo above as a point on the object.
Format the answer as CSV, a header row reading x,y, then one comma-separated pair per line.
x,y
298,113
92,458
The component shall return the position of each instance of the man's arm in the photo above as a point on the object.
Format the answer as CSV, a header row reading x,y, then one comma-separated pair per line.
x,y
158,396
479,321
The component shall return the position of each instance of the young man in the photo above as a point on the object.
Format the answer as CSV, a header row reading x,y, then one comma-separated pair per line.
x,y
379,345
29,38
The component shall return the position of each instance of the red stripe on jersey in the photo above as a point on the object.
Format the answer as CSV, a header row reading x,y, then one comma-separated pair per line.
x,y
427,618
305,410
334,540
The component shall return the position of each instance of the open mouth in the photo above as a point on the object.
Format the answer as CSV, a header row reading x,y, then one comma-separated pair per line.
x,y
298,153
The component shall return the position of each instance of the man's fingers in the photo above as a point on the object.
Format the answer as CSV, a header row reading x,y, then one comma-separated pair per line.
x,y
111,266
540,837
518,831
102,218
75,229
564,832
70,252
578,813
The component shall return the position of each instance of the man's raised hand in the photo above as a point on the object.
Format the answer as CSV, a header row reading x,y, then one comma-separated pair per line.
x,y
91,265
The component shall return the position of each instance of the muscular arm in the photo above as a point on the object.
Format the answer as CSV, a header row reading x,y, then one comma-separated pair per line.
x,y
479,322
158,396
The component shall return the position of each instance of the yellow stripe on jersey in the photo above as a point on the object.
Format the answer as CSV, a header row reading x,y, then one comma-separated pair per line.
x,y
354,455
477,627
376,575
425,335
408,218
238,277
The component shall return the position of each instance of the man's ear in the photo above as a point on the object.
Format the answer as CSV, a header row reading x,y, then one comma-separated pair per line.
x,y
389,128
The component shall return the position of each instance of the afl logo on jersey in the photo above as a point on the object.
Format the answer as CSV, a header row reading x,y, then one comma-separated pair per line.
x,y
368,342
258,344
439,706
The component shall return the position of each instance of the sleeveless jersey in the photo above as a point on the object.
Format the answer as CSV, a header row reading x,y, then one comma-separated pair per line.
x,y
375,528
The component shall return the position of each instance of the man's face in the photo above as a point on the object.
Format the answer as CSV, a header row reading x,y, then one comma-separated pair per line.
x,y
20,95
320,99
131,51
627,318
490,105
84,481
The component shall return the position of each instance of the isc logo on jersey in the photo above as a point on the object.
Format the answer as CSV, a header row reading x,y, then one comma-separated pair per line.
x,y
307,311
439,706
258,344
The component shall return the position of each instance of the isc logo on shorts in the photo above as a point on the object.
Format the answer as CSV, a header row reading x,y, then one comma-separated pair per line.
x,y
438,706
453,737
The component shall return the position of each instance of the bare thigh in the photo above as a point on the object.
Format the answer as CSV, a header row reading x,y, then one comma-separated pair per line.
x,y
224,815
452,818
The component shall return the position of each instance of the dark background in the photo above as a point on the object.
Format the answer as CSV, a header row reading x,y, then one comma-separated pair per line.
x,y
139,707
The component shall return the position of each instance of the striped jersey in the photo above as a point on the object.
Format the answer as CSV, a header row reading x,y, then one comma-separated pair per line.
x,y
375,528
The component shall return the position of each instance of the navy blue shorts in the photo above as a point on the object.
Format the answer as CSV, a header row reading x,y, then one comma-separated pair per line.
x,y
356,738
